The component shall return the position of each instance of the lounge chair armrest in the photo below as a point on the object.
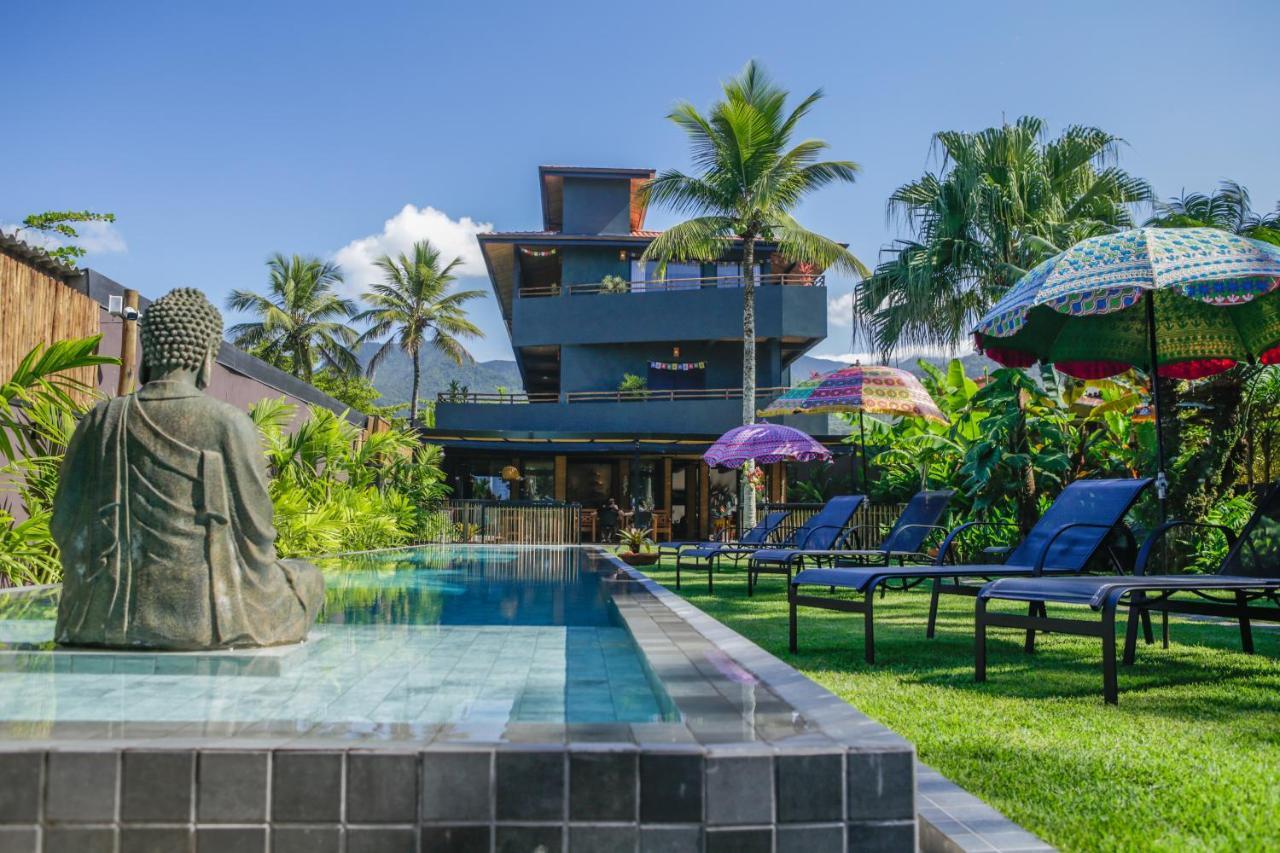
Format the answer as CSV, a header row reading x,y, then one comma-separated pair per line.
x,y
1044,552
951,536
1144,553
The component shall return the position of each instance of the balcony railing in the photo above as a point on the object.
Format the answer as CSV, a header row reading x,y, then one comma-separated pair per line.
x,y
667,285
500,399
609,396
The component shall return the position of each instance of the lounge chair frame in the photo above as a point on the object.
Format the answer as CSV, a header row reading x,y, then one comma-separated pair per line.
x,y
940,572
1139,595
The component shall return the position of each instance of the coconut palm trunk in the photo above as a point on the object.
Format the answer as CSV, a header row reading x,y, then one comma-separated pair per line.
x,y
413,395
747,500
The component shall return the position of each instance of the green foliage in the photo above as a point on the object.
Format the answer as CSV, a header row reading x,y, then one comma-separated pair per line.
x,y
354,391
413,307
751,176
333,491
59,222
1003,200
39,404
1228,208
633,387
614,284
635,540
1012,443
302,322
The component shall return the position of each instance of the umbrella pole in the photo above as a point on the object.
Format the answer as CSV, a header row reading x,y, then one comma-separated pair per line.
x,y
1162,484
862,436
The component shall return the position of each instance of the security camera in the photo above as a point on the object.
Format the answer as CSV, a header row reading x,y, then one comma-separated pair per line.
x,y
130,313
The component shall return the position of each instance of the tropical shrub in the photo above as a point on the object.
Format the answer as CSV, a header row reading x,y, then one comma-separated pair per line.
x,y
614,284
334,490
633,387
635,540
39,405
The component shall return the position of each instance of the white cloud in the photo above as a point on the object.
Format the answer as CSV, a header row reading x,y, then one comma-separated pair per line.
x,y
900,359
453,237
100,237
840,310
96,238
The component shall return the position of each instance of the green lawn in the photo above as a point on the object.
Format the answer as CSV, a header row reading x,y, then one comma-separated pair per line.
x,y
1190,760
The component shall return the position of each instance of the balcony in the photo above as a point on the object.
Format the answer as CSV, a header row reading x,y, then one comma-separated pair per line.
x,y
787,306
702,411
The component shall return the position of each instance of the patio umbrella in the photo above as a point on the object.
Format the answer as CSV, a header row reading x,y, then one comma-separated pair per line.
x,y
1191,302
873,389
763,443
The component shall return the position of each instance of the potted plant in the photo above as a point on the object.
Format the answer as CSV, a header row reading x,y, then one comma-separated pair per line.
x,y
633,387
614,284
634,550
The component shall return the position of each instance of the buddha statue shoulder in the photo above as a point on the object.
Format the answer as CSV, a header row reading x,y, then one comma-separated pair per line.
x,y
162,513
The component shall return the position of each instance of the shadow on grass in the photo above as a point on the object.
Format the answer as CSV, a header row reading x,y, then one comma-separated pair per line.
x,y
1062,666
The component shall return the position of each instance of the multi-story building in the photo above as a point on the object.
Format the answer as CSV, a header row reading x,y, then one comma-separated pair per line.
x,y
589,321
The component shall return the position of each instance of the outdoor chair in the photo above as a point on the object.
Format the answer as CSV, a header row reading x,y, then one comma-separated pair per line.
x,y
1249,573
608,519
661,524
820,533
904,541
712,552
1065,540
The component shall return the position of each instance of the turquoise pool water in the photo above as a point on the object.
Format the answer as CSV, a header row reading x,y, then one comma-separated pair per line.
x,y
482,636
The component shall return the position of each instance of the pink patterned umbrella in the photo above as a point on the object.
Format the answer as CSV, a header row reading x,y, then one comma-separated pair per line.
x,y
763,443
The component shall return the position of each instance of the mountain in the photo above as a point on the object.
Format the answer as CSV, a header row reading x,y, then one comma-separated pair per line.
x,y
394,377
975,364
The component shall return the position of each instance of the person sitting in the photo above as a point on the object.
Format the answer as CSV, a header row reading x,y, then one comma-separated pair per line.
x,y
162,513
609,518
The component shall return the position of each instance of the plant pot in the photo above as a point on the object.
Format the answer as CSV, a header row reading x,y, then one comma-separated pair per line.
x,y
634,559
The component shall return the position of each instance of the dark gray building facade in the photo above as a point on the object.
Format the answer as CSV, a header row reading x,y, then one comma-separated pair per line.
x,y
628,373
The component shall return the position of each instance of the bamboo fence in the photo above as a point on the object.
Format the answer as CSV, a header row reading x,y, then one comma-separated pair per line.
x,y
36,308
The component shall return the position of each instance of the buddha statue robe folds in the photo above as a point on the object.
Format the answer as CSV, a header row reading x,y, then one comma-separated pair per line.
x,y
165,527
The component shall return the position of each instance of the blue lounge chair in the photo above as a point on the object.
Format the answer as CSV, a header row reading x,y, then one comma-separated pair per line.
x,y
901,544
822,532
757,535
1064,541
713,552
1250,573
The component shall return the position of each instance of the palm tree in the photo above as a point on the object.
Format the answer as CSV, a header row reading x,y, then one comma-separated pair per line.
x,y
1003,200
301,321
750,177
1228,208
413,306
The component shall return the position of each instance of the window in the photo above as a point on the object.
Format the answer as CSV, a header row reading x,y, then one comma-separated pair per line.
x,y
539,482
679,276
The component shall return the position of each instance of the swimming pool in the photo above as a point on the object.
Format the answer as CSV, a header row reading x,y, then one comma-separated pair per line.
x,y
480,636
451,698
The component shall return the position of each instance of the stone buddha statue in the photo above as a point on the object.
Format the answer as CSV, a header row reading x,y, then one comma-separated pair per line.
x,y
162,514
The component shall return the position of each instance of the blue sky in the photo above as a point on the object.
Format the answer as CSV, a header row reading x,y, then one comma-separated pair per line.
x,y
221,132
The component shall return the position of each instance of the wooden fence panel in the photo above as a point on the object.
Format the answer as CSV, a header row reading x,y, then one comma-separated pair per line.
x,y
36,308
514,522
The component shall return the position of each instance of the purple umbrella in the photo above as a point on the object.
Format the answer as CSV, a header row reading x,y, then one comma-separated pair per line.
x,y
763,443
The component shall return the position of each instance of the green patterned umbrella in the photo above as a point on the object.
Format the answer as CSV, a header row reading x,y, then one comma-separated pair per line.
x,y
1189,301
1084,311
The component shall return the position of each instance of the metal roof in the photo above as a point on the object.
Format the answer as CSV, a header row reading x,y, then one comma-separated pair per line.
x,y
37,257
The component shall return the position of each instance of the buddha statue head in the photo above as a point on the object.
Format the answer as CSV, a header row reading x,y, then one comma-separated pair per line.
x,y
181,332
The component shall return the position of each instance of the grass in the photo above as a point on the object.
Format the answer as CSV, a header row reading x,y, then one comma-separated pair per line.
x,y
1189,760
